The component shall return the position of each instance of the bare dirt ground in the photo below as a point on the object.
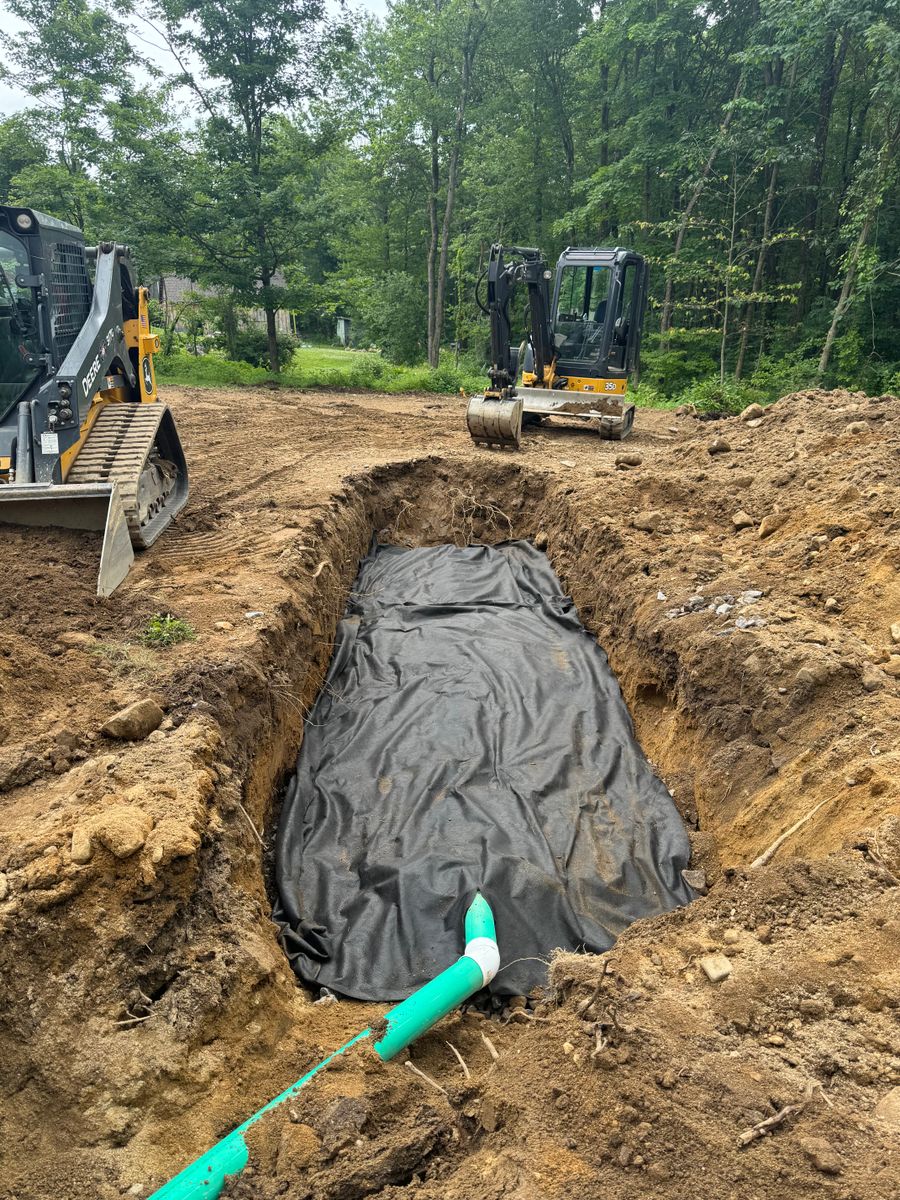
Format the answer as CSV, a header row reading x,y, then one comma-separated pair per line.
x,y
743,577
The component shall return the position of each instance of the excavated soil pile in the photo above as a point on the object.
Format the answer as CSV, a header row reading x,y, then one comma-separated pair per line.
x,y
743,577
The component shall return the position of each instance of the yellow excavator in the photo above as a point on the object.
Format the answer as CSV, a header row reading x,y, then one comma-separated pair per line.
x,y
85,442
579,351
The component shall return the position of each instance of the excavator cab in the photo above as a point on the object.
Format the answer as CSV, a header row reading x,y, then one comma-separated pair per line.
x,y
583,342
84,441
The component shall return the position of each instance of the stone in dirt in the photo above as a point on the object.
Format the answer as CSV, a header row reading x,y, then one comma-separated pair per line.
x,y
82,848
857,427
718,446
77,640
753,412
135,722
822,1155
895,632
696,879
716,967
649,522
742,520
771,523
628,460
4,886
888,1108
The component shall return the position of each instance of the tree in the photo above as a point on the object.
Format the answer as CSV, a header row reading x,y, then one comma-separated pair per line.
x,y
260,60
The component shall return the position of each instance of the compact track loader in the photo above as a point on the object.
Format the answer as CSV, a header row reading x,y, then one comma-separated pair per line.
x,y
85,442
578,354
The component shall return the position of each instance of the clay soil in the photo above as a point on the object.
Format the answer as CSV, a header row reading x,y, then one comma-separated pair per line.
x,y
145,1006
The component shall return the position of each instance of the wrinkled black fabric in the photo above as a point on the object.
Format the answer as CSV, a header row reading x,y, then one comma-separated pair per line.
x,y
470,734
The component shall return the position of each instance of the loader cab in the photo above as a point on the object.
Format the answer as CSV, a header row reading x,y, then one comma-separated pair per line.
x,y
19,340
598,309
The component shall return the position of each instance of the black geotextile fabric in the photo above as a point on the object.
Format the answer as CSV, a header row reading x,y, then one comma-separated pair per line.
x,y
470,734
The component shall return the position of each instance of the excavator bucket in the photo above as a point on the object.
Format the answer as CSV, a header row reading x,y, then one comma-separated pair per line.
x,y
89,506
495,422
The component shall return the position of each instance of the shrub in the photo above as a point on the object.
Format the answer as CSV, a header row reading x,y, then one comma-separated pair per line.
x,y
392,308
727,399
251,345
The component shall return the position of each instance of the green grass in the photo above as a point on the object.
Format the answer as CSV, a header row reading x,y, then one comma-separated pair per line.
x,y
321,367
164,630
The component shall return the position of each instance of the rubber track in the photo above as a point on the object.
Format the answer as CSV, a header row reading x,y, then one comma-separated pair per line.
x,y
117,448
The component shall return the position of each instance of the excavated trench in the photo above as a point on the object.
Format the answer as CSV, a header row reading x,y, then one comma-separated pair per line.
x,y
208,1020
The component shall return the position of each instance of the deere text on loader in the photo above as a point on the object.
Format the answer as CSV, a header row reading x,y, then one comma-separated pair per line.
x,y
582,344
85,442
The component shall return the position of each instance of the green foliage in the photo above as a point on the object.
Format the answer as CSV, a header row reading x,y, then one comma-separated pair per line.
x,y
251,345
713,396
392,308
164,630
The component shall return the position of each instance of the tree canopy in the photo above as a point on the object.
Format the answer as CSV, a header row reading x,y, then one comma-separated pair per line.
x,y
749,148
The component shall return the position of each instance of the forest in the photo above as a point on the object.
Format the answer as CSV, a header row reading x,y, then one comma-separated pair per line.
x,y
295,155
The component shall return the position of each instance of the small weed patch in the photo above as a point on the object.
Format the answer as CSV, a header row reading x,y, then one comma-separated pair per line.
x,y
165,630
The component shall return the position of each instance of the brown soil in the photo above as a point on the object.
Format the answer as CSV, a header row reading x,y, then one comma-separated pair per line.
x,y
145,1008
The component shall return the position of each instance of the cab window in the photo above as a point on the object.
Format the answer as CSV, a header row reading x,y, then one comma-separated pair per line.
x,y
581,312
18,325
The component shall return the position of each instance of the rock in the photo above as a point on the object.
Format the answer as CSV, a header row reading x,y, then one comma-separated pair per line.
x,y
649,522
253,614
872,680
134,722
81,641
628,460
224,626
895,632
718,446
855,428
822,1155
755,424
731,937
892,666
82,848
4,886
753,412
742,520
716,967
686,410
695,879
122,829
541,541
772,522
888,1108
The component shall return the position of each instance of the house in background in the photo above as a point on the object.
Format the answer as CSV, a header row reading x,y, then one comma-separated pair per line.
x,y
171,290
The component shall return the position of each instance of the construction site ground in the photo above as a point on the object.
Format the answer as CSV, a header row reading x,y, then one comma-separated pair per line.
x,y
743,577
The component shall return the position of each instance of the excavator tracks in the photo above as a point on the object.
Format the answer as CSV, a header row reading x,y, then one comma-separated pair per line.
x,y
136,447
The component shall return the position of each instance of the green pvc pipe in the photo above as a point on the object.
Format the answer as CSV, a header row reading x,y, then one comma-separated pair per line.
x,y
206,1175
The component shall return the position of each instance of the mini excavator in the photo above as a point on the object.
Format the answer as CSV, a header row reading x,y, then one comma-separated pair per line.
x,y
85,442
578,354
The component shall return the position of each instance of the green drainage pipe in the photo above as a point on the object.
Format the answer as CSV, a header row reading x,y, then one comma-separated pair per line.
x,y
205,1177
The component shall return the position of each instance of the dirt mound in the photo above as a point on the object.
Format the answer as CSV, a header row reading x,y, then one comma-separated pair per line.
x,y
745,594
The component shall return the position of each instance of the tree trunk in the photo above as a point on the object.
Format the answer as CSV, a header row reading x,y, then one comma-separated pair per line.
x,y
759,272
846,295
470,48
433,242
665,321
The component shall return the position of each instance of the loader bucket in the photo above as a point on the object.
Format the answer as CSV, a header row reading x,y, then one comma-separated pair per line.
x,y
92,506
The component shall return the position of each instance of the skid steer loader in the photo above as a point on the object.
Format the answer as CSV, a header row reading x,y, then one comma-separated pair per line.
x,y
85,442
578,354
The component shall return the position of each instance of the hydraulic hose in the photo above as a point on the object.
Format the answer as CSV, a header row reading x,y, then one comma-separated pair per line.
x,y
476,967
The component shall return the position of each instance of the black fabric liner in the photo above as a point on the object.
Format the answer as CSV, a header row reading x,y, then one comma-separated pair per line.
x,y
470,734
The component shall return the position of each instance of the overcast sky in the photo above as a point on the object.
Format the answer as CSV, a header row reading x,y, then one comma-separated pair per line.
x,y
146,42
